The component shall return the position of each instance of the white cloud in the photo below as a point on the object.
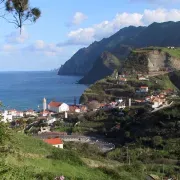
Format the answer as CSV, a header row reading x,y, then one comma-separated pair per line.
x,y
77,19
85,36
17,38
160,15
8,48
49,49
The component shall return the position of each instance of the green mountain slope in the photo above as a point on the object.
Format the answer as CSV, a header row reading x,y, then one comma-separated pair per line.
x,y
157,34
104,66
82,61
152,61
108,90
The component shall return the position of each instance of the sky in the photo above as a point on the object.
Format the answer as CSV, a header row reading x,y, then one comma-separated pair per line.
x,y
66,26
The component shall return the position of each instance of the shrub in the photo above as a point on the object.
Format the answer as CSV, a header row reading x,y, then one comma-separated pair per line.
x,y
66,156
157,141
44,176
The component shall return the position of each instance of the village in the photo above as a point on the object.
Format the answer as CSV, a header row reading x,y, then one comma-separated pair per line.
x,y
41,123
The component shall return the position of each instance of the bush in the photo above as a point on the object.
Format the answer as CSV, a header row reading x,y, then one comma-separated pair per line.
x,y
66,156
44,176
157,141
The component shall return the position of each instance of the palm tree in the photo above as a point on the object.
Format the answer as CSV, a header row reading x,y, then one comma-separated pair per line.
x,y
20,12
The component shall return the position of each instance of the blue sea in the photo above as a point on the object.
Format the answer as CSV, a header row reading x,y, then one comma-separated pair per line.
x,y
26,90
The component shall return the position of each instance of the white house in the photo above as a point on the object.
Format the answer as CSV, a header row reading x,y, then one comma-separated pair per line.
x,y
144,89
20,114
122,105
15,113
56,142
44,130
157,102
6,117
58,107
12,112
51,120
31,113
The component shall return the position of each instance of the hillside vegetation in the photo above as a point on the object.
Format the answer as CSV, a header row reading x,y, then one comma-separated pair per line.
x,y
151,60
103,67
23,157
145,142
108,90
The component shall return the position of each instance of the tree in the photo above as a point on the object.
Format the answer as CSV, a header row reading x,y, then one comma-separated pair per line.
x,y
157,141
83,99
20,12
93,105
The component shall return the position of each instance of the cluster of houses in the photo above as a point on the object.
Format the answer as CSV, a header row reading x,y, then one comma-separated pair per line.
x,y
52,108
171,47
10,115
117,104
142,77
156,100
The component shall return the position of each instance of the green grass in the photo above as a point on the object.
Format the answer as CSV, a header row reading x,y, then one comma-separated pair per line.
x,y
172,52
161,82
29,158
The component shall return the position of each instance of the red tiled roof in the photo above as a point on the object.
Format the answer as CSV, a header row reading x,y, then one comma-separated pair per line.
x,y
144,86
53,141
55,104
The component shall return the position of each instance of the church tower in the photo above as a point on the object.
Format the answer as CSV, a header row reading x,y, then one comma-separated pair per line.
x,y
44,104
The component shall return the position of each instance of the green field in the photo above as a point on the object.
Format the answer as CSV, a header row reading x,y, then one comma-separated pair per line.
x,y
173,52
23,157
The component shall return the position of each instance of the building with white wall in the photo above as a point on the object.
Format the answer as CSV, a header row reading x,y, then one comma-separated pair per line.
x,y
31,113
44,104
56,142
58,107
6,117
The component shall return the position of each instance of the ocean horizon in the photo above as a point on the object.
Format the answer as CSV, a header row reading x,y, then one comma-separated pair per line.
x,y
23,90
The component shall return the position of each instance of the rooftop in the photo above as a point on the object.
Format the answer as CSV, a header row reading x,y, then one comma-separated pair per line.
x,y
53,141
55,104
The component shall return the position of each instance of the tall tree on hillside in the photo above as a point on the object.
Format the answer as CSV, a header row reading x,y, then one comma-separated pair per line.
x,y
20,12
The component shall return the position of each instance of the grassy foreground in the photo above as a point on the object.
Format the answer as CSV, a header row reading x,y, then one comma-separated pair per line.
x,y
27,158
23,157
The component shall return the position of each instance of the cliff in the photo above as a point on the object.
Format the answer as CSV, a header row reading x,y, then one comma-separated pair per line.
x,y
106,64
162,65
152,61
82,61
157,34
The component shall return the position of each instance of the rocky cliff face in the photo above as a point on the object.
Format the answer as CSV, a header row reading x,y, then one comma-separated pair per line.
x,y
151,61
158,60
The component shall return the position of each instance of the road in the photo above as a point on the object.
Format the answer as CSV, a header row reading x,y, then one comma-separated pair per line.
x,y
162,107
103,145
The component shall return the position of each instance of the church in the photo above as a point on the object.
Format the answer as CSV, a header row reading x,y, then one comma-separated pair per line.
x,y
56,107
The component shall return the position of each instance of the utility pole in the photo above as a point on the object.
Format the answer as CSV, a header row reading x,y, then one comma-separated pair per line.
x,y
74,100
